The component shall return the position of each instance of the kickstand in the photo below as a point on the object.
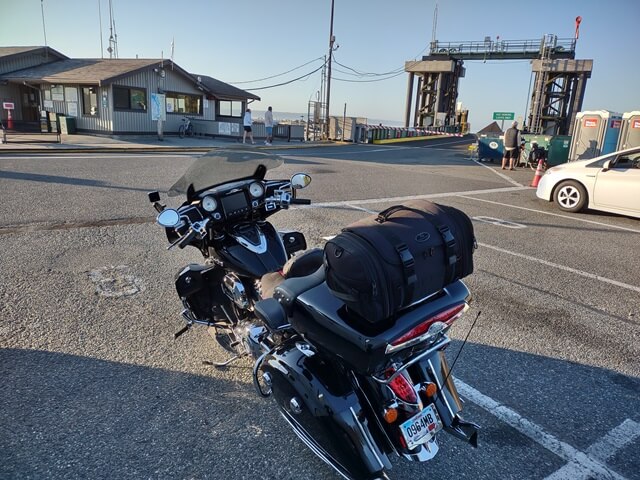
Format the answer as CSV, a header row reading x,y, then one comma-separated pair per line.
x,y
222,364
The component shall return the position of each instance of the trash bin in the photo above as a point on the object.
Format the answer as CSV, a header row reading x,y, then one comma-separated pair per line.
x,y
558,150
490,148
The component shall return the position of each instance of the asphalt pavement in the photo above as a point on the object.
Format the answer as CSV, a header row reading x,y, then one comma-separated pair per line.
x,y
95,386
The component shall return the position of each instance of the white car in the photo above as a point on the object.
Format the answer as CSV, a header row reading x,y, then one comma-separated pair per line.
x,y
610,183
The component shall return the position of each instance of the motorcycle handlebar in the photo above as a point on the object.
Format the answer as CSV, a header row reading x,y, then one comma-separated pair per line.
x,y
186,240
300,201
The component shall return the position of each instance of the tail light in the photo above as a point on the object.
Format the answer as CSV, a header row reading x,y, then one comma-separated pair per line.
x,y
423,331
402,387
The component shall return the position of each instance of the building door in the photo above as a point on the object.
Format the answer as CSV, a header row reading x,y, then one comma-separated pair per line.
x,y
29,98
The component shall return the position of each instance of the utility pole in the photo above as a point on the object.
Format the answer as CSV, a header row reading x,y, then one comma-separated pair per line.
x,y
44,28
332,39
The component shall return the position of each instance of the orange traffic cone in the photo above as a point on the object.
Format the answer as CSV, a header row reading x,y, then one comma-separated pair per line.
x,y
538,175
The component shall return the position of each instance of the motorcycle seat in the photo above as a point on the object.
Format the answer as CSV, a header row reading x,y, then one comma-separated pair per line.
x,y
300,265
288,291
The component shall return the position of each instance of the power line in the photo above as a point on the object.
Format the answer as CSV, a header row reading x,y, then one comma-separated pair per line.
x,y
305,76
279,74
366,81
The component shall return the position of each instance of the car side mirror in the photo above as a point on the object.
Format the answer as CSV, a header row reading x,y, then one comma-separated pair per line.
x,y
606,165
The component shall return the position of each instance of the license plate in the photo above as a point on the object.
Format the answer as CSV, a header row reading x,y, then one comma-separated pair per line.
x,y
422,427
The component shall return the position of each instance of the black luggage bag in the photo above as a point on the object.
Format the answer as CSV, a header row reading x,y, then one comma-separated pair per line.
x,y
386,262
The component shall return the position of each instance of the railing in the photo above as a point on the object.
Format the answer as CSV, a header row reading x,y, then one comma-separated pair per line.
x,y
515,47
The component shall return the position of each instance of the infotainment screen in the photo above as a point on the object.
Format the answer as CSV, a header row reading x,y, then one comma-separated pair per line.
x,y
234,202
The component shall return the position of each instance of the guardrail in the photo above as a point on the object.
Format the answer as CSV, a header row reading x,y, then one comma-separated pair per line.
x,y
378,133
216,128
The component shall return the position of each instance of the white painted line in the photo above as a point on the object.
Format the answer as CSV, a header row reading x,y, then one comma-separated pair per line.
x,y
101,155
500,174
605,448
562,267
552,214
351,203
536,433
499,222
362,209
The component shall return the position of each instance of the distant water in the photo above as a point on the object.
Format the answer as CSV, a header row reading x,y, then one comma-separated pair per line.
x,y
292,116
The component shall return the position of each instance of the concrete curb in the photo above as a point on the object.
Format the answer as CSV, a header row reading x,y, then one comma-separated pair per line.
x,y
169,149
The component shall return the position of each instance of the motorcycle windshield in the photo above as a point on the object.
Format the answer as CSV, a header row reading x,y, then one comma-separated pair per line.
x,y
223,166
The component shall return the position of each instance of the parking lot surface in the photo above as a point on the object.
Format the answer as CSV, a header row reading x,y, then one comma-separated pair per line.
x,y
95,386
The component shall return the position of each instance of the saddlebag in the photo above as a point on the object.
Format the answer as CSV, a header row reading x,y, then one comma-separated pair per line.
x,y
386,262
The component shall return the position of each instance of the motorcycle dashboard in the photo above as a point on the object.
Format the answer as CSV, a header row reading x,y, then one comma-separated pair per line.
x,y
232,200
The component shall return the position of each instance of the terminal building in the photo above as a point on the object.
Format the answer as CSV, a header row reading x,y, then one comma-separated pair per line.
x,y
112,96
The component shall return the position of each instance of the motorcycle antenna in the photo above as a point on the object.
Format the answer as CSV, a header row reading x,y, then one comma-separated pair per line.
x,y
461,347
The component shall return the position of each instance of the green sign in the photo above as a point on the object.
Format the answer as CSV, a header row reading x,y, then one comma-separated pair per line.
x,y
503,115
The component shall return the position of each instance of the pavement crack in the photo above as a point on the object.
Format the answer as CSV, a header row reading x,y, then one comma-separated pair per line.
x,y
46,226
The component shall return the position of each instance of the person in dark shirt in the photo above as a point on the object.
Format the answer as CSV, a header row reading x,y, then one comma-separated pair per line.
x,y
536,154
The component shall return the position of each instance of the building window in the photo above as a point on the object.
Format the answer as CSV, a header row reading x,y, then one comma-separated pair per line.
x,y
90,101
125,98
184,103
228,108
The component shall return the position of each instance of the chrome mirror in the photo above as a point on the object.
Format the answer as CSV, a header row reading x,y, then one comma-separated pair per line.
x,y
168,218
300,180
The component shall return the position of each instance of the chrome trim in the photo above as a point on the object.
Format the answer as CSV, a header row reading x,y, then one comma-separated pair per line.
x,y
427,452
428,334
375,416
295,406
259,248
443,396
234,289
316,449
366,437
441,343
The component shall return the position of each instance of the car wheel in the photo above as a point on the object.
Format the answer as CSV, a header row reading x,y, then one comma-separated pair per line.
x,y
570,196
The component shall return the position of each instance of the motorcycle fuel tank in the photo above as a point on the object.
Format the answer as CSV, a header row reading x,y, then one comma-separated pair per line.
x,y
253,250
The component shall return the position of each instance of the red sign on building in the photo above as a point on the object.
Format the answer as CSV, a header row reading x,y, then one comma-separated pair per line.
x,y
635,124
8,105
616,123
590,122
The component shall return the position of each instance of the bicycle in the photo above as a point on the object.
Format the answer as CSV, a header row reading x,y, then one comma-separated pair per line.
x,y
186,128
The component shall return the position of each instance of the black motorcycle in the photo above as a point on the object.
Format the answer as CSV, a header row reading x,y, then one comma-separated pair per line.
x,y
354,393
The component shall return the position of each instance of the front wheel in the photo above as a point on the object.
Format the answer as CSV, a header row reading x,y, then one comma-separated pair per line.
x,y
570,196
181,131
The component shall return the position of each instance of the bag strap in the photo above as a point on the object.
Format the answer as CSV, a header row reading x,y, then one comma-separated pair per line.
x,y
450,252
408,262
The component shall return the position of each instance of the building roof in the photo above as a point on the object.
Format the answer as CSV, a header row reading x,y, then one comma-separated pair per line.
x,y
7,52
224,91
92,71
491,129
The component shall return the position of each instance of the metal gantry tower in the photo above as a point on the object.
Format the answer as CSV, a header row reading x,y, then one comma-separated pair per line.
x,y
556,98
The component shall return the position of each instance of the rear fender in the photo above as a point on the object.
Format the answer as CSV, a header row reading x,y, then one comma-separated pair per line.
x,y
318,400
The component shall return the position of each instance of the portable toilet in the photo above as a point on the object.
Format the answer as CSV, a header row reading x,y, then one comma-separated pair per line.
x,y
630,131
595,133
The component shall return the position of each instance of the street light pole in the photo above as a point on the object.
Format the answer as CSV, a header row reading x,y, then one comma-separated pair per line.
x,y
332,39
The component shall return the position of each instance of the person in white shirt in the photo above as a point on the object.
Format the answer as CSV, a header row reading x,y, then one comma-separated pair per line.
x,y
268,125
247,126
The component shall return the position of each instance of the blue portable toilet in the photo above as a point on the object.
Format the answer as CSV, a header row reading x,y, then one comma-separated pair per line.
x,y
595,133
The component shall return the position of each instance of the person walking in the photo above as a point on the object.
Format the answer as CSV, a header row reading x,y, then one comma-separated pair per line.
x,y
247,126
511,145
268,125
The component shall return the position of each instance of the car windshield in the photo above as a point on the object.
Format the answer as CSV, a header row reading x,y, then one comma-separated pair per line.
x,y
223,166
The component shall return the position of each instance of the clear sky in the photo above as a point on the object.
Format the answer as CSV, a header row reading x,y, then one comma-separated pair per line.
x,y
239,41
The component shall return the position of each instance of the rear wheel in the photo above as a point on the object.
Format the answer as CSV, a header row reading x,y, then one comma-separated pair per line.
x,y
570,196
